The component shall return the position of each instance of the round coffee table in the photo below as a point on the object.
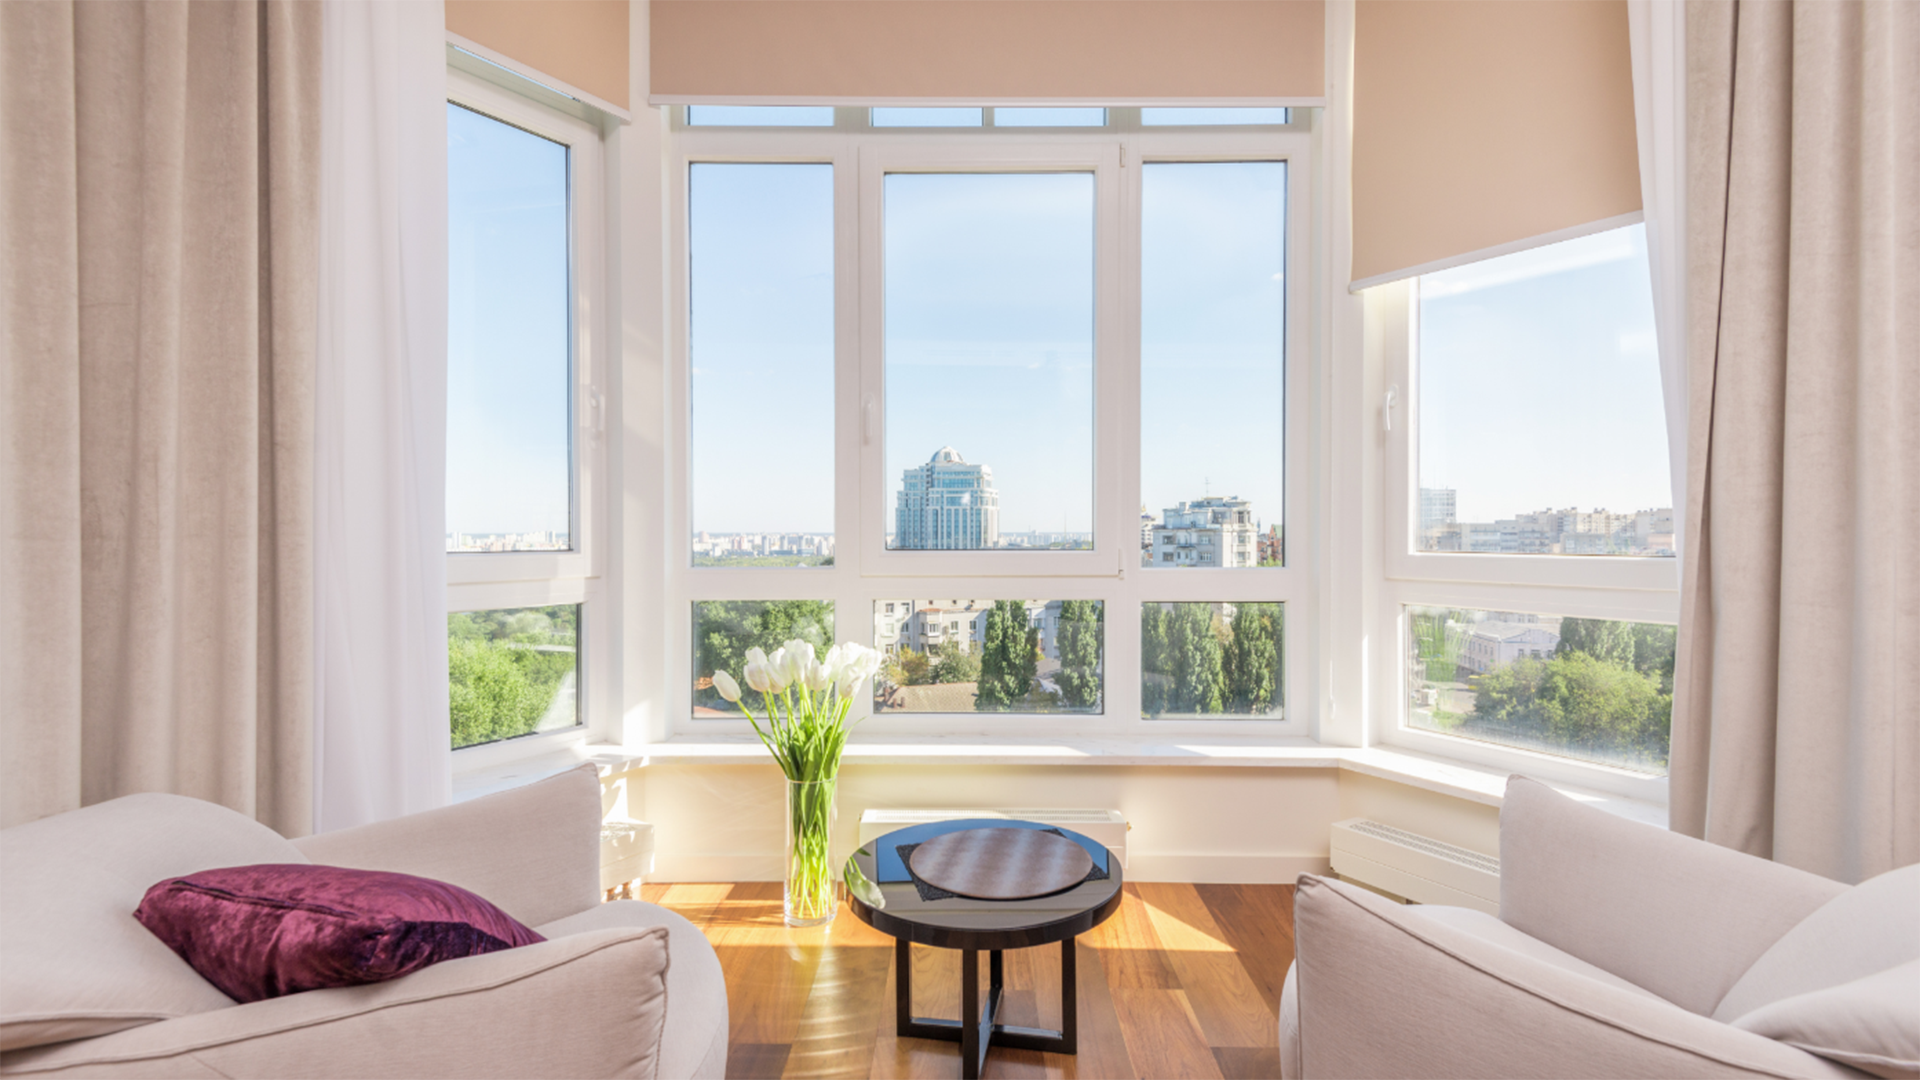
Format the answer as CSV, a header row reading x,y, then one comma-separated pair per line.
x,y
885,894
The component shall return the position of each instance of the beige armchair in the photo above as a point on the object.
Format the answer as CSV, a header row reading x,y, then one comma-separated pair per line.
x,y
618,989
1621,950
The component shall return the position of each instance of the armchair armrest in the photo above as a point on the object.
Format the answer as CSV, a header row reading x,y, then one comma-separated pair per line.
x,y
533,851
1382,993
590,1004
1678,916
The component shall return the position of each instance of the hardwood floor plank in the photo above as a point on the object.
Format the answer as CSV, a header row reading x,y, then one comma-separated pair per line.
x,y
1223,995
848,1000
1163,1036
1103,1048
1130,949
694,903
1167,988
1248,1063
1257,920
756,1061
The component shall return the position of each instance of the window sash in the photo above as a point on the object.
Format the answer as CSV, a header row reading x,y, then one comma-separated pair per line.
x,y
863,572
487,581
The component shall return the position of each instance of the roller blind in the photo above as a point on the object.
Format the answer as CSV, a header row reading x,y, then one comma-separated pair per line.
x,y
580,42
1113,52
1481,126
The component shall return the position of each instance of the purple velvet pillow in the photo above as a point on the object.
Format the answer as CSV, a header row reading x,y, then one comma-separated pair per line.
x,y
261,931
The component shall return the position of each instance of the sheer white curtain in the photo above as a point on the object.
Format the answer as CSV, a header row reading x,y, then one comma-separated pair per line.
x,y
1657,33
380,506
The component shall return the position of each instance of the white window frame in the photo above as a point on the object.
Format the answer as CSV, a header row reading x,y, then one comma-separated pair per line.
x,y
1630,588
485,581
863,574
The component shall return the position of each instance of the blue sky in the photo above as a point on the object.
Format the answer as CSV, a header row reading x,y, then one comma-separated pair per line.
x,y
1540,386
507,351
1540,381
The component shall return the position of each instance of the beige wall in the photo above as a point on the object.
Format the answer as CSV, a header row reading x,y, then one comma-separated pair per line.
x,y
1482,122
724,822
1112,51
581,42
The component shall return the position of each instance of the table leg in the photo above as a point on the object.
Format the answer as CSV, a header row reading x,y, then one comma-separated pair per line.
x,y
976,1030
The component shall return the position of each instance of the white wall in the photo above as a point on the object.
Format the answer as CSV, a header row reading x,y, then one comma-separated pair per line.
x,y
724,822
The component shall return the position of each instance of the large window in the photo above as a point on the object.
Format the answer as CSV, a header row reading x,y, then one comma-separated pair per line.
x,y
526,624
1530,526
950,380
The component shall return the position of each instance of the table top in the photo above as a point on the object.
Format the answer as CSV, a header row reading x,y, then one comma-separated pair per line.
x,y
882,893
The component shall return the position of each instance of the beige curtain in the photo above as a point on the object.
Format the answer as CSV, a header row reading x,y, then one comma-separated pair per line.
x,y
1796,731
158,207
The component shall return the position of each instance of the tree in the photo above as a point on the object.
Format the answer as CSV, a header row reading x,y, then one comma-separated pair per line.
x,y
1605,640
1252,663
1653,652
955,663
505,668
728,628
1580,703
1078,640
1199,684
909,668
1007,664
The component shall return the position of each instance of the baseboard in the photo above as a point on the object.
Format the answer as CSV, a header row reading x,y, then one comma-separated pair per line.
x,y
1223,869
1141,866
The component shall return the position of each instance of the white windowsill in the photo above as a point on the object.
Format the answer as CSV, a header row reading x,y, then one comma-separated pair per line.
x,y
1474,783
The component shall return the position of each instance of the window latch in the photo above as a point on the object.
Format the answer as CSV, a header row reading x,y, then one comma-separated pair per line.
x,y
1386,407
866,422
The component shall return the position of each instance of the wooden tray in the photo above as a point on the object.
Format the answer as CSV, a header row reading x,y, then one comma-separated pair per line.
x,y
1001,864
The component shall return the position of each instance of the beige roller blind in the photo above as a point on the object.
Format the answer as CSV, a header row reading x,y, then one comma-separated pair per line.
x,y
580,42
1483,124
1117,52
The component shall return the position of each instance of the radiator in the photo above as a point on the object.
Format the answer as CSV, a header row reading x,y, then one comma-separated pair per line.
x,y
1108,827
1420,868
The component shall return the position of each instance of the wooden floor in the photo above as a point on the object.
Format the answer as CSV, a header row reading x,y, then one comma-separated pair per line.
x,y
1182,981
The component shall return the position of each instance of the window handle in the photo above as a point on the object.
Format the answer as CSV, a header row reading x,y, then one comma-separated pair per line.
x,y
1386,408
866,421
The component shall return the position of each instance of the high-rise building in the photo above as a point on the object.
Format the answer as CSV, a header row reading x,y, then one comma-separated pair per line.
x,y
947,505
1214,531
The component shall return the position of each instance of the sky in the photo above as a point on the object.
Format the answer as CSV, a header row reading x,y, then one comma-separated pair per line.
x,y
1540,384
507,329
1540,381
989,294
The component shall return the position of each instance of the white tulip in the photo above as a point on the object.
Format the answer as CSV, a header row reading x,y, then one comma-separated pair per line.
x,y
757,655
756,676
724,683
816,677
837,658
798,655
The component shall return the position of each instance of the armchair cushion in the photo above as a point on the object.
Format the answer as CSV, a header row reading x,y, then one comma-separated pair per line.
x,y
1675,915
76,963
259,932
1867,929
1871,1023
590,1004
1382,993
533,850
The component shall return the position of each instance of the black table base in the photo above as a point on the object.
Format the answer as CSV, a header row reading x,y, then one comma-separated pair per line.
x,y
975,1031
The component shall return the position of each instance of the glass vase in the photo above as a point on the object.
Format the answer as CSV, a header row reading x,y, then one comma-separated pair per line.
x,y
810,898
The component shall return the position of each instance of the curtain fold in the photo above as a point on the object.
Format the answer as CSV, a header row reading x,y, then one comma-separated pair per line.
x,y
1657,34
159,248
384,747
1794,735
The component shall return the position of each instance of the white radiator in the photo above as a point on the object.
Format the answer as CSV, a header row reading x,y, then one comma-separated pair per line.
x,y
1109,827
1420,868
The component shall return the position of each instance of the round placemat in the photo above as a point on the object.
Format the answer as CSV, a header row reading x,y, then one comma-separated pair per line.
x,y
1001,864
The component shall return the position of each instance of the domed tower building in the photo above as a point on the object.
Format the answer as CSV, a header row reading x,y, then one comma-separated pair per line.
x,y
947,504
